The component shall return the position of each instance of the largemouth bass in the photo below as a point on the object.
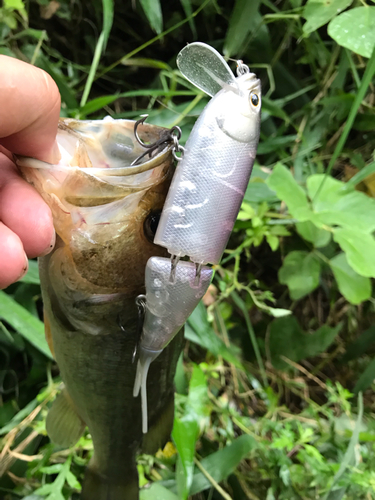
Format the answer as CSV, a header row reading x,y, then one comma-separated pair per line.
x,y
105,215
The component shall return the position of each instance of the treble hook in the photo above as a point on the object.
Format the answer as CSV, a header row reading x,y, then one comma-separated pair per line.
x,y
173,135
136,125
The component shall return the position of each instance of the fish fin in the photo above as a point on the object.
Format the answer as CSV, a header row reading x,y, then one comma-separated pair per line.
x,y
99,487
47,331
64,425
159,430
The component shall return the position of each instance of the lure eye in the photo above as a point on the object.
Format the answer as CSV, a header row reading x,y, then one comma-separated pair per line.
x,y
151,224
254,99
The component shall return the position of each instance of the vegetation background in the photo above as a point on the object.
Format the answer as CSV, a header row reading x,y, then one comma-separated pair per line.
x,y
275,385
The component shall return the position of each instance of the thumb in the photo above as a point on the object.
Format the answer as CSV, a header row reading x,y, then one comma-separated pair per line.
x,y
29,110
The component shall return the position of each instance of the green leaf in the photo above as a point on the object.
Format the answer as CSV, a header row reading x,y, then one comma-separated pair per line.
x,y
300,272
331,192
287,339
185,434
241,23
19,417
319,12
186,430
362,174
275,143
186,4
359,248
364,122
366,379
32,275
199,331
152,9
198,398
349,458
355,30
222,463
309,232
360,345
257,191
31,328
157,492
282,181
354,288
108,11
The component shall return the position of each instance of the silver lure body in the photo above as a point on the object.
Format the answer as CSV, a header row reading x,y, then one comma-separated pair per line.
x,y
203,201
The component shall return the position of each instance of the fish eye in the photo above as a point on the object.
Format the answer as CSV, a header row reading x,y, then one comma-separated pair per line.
x,y
151,224
254,98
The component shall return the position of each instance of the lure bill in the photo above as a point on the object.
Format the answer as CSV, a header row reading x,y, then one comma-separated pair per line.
x,y
204,198
103,210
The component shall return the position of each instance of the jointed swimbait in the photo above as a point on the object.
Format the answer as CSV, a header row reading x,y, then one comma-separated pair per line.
x,y
204,198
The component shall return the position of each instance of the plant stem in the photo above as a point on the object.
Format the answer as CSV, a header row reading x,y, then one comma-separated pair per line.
x,y
366,80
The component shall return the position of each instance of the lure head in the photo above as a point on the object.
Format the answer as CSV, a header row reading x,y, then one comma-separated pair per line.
x,y
238,99
239,109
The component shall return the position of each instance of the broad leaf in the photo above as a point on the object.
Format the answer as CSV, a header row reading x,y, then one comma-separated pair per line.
x,y
355,30
282,181
287,339
359,248
300,272
355,288
319,12
309,231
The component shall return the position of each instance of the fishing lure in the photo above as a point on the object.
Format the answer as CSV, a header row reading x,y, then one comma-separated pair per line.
x,y
203,201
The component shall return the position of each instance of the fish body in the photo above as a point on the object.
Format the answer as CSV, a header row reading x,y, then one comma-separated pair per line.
x,y
90,283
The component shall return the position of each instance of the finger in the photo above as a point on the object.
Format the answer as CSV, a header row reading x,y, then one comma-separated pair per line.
x,y
13,262
30,108
24,212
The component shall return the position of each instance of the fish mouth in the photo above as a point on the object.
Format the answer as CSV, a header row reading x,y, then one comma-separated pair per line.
x,y
96,161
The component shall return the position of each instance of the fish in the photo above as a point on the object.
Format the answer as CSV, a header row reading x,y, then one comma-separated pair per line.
x,y
105,194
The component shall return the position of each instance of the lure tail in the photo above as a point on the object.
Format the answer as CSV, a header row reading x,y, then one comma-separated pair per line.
x,y
99,487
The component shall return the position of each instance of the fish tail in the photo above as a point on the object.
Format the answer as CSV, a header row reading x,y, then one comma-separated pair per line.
x,y
99,487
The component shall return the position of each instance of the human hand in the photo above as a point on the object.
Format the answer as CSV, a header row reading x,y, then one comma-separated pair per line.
x,y
29,113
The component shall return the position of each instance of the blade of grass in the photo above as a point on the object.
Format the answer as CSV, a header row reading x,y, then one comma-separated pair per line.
x,y
108,6
153,40
30,327
241,304
366,80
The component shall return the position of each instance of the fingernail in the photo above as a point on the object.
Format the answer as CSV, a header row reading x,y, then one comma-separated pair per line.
x,y
24,269
50,246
